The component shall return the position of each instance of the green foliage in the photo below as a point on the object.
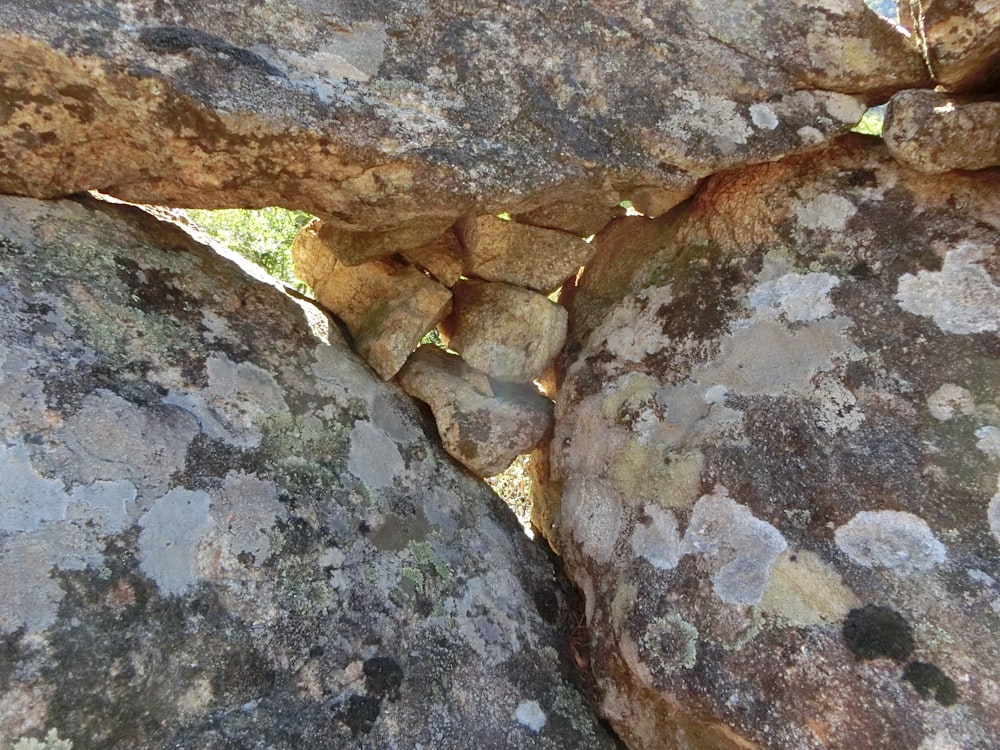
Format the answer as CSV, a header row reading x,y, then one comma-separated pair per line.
x,y
263,236
871,123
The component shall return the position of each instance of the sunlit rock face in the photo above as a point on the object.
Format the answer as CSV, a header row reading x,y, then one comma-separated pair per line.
x,y
390,116
776,459
218,528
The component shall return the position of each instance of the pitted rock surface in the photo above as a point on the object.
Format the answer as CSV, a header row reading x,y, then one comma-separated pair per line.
x,y
393,117
219,529
776,460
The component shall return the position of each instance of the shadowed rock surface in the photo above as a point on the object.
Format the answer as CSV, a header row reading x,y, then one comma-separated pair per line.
x,y
218,529
776,460
394,116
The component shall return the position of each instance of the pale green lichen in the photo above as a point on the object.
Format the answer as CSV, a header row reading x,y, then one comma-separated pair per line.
x,y
51,741
668,644
425,556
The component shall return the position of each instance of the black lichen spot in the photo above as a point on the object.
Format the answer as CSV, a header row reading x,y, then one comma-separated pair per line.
x,y
872,632
383,676
361,713
928,679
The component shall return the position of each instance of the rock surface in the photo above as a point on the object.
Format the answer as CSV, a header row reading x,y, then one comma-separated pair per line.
x,y
960,40
776,461
483,424
219,530
938,132
386,305
496,249
385,117
510,333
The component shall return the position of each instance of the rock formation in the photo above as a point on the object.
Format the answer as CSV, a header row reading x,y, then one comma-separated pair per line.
x,y
219,529
773,463
775,458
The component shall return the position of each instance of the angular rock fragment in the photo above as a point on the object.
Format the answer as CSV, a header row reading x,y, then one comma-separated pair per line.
x,y
533,257
441,258
386,305
937,132
483,424
768,391
218,529
508,332
960,40
377,117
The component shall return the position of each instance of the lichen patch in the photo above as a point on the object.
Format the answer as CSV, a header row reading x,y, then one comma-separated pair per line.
x,y
896,540
960,298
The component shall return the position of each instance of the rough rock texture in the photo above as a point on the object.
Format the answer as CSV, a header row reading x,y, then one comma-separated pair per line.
x,y
938,132
441,258
511,334
387,306
500,250
219,530
483,424
960,40
386,116
776,465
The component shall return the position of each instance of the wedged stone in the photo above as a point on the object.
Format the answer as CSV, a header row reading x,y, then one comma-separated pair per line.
x,y
775,469
218,529
483,424
441,258
960,40
581,212
386,305
653,201
377,117
519,254
353,247
937,132
508,332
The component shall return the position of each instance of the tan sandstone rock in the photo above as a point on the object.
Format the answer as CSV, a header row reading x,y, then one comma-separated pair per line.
x,y
937,132
483,425
508,332
960,40
387,306
381,116
441,258
537,258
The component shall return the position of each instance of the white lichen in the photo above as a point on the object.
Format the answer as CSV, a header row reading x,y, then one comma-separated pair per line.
x,y
960,298
738,548
763,116
795,297
659,541
51,741
529,714
891,539
950,401
373,456
989,440
825,211
172,532
993,513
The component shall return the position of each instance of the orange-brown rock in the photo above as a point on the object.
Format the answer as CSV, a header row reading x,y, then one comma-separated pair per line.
x,y
533,257
386,305
508,332
960,40
483,424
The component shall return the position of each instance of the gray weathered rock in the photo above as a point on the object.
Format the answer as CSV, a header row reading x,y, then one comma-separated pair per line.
x,y
483,424
386,305
219,530
776,460
960,40
937,132
385,117
508,332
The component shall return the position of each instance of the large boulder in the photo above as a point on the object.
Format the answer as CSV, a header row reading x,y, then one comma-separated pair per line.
x,y
776,460
935,131
219,529
397,117
960,40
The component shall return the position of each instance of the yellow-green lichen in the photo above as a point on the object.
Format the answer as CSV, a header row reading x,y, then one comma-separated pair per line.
x,y
658,473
